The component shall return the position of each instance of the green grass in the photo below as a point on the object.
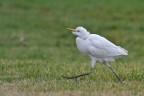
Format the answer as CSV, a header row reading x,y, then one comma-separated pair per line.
x,y
34,67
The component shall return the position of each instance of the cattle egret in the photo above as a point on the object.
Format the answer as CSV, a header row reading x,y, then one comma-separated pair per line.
x,y
98,48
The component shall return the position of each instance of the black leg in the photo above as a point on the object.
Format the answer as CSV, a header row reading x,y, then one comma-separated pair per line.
x,y
114,72
75,77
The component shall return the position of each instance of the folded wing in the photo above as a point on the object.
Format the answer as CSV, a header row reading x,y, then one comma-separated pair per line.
x,y
103,48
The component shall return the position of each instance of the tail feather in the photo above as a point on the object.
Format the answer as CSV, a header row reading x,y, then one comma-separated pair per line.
x,y
123,51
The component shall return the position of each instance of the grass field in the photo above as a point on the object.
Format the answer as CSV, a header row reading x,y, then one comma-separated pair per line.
x,y
36,50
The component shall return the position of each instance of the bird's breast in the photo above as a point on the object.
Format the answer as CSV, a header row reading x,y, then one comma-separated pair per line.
x,y
82,45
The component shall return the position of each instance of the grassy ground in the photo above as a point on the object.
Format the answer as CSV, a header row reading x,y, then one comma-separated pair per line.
x,y
36,50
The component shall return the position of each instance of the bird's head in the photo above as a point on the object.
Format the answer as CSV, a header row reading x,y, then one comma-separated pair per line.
x,y
80,32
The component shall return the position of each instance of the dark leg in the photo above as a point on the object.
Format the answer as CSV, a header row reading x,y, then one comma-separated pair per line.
x,y
75,77
114,72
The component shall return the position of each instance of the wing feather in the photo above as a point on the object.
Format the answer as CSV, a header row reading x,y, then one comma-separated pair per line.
x,y
103,48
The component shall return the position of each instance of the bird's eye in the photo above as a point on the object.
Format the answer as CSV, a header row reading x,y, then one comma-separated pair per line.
x,y
78,31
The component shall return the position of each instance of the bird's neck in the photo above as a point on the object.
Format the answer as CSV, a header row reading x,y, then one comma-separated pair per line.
x,y
85,36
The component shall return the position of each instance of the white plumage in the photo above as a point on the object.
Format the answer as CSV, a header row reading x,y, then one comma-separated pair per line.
x,y
97,47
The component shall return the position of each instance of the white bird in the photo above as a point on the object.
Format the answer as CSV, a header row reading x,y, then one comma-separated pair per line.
x,y
98,48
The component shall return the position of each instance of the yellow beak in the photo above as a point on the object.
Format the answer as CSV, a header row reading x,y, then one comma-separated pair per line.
x,y
70,29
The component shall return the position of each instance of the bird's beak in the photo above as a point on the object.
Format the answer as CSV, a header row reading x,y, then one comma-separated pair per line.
x,y
70,29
